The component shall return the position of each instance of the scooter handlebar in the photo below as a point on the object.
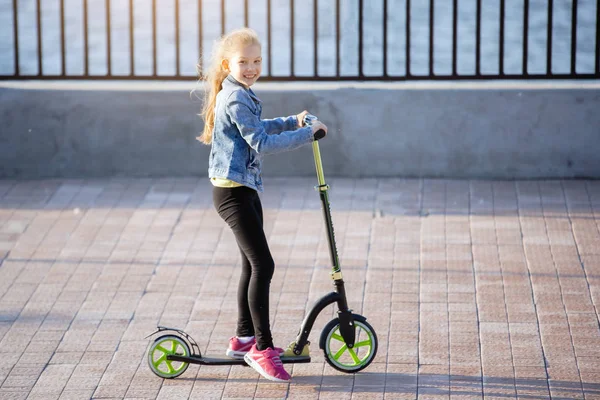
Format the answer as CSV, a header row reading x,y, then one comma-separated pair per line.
x,y
320,134
308,120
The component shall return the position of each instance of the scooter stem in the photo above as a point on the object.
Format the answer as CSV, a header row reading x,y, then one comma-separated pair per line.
x,y
339,296
318,164
322,188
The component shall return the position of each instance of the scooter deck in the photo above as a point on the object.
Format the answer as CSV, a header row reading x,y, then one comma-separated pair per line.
x,y
224,360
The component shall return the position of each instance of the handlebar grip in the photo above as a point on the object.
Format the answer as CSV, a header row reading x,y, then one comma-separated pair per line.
x,y
320,134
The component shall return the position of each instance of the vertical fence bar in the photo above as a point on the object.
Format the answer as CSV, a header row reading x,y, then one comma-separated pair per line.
x,y
292,38
86,56
39,37
246,13
574,37
269,61
131,42
526,37
360,38
154,37
454,35
501,50
63,50
222,17
16,35
407,38
177,61
338,38
108,44
597,53
549,40
431,33
200,47
385,38
478,39
315,36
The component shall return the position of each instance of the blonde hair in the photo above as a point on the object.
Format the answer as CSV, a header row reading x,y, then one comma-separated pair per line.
x,y
215,75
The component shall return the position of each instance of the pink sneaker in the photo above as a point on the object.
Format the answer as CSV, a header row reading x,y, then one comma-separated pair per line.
x,y
238,349
267,363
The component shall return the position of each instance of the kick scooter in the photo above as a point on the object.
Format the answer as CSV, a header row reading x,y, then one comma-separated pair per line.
x,y
349,342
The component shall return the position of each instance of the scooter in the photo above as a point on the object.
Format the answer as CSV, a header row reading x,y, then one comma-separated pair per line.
x,y
349,342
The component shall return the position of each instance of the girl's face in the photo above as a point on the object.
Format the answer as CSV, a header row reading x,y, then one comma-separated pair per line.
x,y
245,65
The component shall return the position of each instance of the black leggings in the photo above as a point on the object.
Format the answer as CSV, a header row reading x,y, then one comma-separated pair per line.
x,y
241,209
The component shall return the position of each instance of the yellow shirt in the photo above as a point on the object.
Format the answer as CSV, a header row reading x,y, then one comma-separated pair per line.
x,y
222,182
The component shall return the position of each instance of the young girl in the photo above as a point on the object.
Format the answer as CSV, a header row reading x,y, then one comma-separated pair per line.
x,y
239,138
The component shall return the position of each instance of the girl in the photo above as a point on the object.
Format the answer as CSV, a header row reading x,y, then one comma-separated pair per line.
x,y
239,138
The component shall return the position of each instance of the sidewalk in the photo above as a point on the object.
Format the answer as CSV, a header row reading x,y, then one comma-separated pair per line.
x,y
476,289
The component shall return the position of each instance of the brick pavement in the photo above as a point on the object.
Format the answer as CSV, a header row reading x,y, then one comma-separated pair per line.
x,y
476,289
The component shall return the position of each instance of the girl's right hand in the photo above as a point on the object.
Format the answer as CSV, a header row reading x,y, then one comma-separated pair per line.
x,y
318,126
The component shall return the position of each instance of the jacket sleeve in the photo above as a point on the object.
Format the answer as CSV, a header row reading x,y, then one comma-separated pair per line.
x,y
277,125
254,133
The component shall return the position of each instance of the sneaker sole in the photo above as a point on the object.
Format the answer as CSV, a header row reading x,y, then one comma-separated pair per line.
x,y
235,354
256,366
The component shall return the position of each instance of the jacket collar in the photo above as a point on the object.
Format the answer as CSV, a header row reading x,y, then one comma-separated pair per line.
x,y
230,80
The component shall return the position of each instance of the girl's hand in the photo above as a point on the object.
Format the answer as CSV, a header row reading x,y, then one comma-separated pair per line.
x,y
318,126
300,118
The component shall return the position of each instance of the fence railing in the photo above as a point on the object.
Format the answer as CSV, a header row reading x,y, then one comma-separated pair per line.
x,y
304,40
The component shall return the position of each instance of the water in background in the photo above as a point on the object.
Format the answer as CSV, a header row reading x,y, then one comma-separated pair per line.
x,y
280,49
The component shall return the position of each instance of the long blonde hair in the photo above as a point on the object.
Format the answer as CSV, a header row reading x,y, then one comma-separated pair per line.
x,y
215,75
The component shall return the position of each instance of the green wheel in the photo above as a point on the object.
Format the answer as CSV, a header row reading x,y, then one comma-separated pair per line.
x,y
339,355
160,349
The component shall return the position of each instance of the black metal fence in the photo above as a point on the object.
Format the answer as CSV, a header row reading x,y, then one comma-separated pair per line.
x,y
413,42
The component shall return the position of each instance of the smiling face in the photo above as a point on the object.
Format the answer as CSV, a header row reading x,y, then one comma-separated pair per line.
x,y
245,65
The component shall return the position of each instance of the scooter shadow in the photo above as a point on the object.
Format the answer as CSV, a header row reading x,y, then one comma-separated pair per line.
x,y
457,385
436,384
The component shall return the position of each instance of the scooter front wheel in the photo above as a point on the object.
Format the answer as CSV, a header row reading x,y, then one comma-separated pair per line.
x,y
162,347
339,355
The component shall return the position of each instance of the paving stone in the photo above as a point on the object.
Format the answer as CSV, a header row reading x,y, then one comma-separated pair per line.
x,y
488,287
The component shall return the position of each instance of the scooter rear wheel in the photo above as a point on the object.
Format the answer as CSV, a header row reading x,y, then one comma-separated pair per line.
x,y
339,355
162,347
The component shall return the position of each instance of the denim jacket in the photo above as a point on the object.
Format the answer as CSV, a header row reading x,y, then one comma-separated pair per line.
x,y
241,138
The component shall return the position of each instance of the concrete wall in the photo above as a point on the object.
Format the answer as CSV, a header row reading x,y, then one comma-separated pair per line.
x,y
457,130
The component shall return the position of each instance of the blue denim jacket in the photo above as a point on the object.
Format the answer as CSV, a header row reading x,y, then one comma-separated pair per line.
x,y
240,137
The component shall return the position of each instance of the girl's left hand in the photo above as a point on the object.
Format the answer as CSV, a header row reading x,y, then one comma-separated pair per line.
x,y
300,118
